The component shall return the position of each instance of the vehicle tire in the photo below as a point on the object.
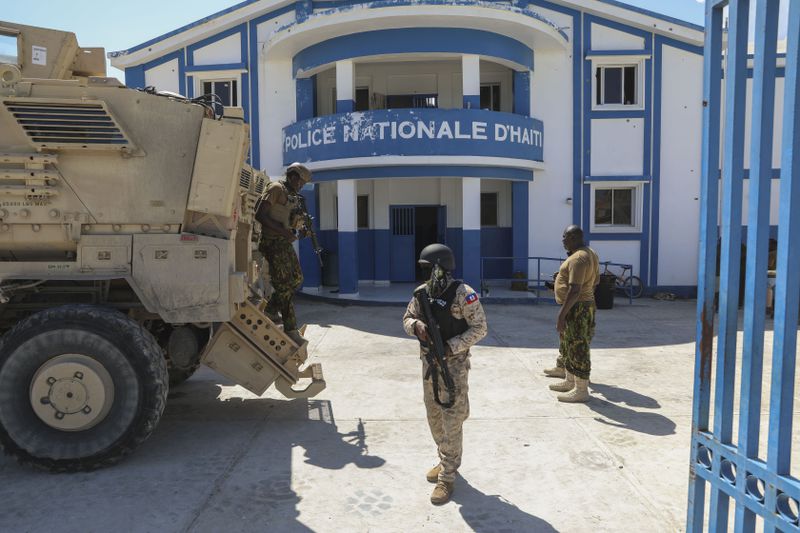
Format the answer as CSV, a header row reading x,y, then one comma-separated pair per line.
x,y
633,287
81,387
183,348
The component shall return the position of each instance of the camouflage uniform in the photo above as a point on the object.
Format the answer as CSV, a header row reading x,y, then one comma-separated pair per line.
x,y
576,339
446,424
285,275
284,267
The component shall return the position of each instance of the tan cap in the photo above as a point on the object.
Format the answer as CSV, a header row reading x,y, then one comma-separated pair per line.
x,y
301,170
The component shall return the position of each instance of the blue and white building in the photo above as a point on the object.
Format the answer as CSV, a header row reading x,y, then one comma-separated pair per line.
x,y
488,125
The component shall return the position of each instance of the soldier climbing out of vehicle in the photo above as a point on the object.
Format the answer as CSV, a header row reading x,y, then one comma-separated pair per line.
x,y
282,221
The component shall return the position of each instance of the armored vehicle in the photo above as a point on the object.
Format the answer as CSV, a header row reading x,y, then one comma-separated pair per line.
x,y
126,230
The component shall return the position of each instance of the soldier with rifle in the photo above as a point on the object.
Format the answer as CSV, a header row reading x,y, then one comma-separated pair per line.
x,y
446,316
284,219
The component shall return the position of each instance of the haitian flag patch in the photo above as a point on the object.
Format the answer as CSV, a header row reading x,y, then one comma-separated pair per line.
x,y
472,298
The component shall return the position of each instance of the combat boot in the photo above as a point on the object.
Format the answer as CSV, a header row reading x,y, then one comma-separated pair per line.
x,y
296,337
441,494
579,394
274,317
555,372
564,386
433,474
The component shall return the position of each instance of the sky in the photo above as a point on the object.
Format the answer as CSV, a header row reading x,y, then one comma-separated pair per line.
x,y
121,25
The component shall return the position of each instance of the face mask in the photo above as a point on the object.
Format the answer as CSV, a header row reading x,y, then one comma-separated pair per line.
x,y
439,281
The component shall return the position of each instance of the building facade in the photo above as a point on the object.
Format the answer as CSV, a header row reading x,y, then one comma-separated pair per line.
x,y
488,125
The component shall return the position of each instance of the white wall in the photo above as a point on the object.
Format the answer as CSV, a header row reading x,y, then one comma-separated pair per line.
x,y
504,200
276,99
617,147
551,101
605,38
681,152
625,252
227,50
164,77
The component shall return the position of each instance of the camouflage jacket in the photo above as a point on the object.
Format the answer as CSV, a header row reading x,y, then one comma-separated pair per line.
x,y
466,305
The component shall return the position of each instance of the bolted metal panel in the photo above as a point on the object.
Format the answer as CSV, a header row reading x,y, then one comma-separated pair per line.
x,y
760,485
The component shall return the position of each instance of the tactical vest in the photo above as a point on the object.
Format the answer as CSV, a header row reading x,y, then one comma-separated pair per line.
x,y
449,326
280,213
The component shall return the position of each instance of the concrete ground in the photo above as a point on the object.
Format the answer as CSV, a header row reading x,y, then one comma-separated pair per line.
x,y
354,458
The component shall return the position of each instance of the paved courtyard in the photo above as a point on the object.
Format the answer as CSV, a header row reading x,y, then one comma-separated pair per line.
x,y
354,458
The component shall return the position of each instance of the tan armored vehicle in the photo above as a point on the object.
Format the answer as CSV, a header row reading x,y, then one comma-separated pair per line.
x,y
126,223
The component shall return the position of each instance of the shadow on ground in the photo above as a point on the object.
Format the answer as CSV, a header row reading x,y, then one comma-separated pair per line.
x,y
491,513
211,465
614,414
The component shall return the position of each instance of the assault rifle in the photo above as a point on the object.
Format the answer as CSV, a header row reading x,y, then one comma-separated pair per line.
x,y
435,354
306,223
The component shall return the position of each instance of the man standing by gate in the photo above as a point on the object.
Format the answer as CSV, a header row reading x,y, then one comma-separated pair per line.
x,y
574,288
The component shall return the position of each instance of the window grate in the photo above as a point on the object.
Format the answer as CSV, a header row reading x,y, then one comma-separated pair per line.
x,y
403,221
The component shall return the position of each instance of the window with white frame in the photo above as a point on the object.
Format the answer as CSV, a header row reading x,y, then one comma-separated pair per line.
x,y
490,96
616,207
227,92
617,85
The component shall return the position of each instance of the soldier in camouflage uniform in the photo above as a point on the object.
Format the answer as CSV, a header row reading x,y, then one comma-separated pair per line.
x,y
462,323
574,288
275,215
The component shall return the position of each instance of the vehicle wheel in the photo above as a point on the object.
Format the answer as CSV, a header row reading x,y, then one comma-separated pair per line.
x,y
80,388
183,348
633,287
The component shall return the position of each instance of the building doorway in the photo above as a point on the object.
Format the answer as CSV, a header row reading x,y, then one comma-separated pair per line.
x,y
426,232
412,229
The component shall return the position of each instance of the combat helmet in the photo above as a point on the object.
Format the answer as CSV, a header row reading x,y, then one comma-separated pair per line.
x,y
437,254
301,170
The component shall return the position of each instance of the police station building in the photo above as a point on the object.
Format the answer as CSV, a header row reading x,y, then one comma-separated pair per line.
x,y
487,125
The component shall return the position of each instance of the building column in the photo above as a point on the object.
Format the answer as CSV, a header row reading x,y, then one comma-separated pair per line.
x,y
471,81
520,195
305,91
522,92
383,249
345,86
348,238
520,225
471,231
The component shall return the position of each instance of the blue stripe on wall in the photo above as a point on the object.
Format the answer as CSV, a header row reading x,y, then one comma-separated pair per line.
x,y
383,254
471,257
420,171
520,224
455,242
305,98
312,273
345,106
413,40
366,254
471,101
134,77
497,242
348,263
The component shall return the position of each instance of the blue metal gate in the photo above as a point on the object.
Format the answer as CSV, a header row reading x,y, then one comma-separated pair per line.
x,y
402,245
758,481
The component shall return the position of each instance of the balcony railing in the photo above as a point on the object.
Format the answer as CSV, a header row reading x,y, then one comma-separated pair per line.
x,y
466,133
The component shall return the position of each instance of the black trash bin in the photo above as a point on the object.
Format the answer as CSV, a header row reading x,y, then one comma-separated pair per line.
x,y
330,269
604,292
